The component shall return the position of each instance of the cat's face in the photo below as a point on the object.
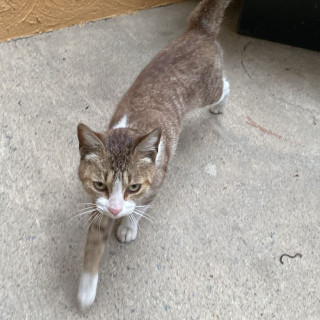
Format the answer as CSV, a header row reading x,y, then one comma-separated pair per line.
x,y
117,168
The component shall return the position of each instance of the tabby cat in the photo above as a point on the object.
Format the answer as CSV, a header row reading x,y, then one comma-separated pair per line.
x,y
123,168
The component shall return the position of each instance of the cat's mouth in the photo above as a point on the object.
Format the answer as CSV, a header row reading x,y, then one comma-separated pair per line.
x,y
111,215
103,206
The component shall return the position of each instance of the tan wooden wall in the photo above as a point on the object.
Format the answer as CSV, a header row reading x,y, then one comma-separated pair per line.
x,y
20,18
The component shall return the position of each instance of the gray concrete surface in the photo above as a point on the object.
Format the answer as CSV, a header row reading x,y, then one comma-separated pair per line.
x,y
240,191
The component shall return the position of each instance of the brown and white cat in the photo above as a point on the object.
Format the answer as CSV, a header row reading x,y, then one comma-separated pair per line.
x,y
123,168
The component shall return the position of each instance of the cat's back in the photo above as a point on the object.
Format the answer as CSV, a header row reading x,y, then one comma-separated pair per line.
x,y
186,74
183,62
178,77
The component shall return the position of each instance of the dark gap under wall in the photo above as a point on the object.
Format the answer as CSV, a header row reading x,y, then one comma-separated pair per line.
x,y
293,22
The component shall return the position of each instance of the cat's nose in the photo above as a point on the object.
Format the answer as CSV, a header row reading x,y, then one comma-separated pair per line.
x,y
114,211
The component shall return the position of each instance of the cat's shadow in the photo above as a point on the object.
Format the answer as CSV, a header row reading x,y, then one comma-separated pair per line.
x,y
71,248
201,129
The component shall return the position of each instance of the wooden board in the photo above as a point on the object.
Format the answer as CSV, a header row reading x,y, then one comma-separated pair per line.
x,y
20,18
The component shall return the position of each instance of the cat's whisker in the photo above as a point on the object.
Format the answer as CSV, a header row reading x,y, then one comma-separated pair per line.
x,y
143,213
82,214
84,209
92,206
85,220
146,216
143,216
94,219
125,212
85,212
90,212
137,223
100,221
134,220
140,210
88,220
130,217
89,224
146,206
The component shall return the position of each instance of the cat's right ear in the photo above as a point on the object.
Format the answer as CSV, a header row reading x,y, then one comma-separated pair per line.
x,y
89,141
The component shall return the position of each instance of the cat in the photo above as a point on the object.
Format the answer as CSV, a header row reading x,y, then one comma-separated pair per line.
x,y
123,168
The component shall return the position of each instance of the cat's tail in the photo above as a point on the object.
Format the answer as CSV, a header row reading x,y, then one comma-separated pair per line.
x,y
207,16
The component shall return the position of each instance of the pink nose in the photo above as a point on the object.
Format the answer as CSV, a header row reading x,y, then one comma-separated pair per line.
x,y
114,211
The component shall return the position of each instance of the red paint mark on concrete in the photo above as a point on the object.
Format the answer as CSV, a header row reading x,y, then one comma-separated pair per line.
x,y
254,124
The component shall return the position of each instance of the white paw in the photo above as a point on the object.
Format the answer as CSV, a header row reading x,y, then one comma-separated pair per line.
x,y
87,289
226,87
217,108
219,105
127,233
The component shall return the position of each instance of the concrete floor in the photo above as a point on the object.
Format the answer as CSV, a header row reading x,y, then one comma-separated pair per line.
x,y
243,187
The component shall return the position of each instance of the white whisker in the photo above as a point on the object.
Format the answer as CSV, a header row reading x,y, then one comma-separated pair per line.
x,y
82,213
86,208
87,220
146,206
143,216
139,210
130,217
94,219
124,212
135,221
100,221
143,213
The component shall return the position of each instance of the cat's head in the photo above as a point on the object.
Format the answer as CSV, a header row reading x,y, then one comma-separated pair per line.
x,y
117,168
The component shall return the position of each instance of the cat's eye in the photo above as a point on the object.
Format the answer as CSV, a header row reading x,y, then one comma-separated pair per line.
x,y
99,185
134,188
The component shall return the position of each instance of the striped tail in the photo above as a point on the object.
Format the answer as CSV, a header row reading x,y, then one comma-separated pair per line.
x,y
207,16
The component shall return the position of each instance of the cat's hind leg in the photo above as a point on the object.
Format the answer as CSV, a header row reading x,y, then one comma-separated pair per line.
x,y
218,106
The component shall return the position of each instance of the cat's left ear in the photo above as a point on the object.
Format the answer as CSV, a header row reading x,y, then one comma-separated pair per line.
x,y
149,142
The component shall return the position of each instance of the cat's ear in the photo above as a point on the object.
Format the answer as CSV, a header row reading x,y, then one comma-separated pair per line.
x,y
149,142
89,141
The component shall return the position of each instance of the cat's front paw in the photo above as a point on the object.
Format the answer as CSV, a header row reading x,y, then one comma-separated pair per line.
x,y
87,290
127,232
